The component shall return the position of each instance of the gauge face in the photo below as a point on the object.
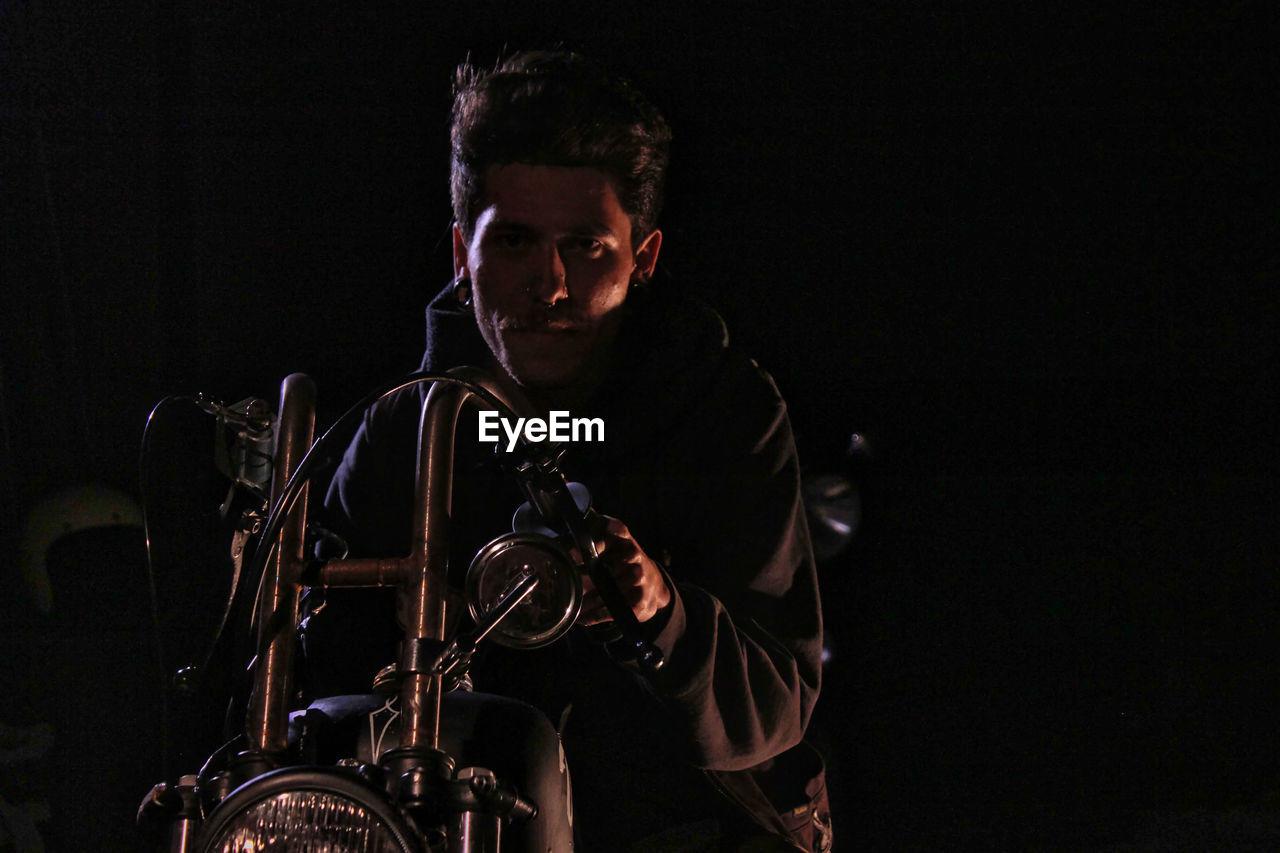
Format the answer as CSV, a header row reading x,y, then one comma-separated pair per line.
x,y
548,611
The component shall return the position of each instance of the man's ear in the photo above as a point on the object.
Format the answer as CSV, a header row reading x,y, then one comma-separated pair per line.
x,y
647,255
460,268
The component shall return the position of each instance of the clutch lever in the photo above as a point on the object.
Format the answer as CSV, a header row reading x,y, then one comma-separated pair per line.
x,y
538,473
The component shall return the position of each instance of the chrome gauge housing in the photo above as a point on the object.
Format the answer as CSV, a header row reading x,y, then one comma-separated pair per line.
x,y
548,612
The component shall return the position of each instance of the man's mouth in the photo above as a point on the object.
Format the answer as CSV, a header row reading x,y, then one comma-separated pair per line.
x,y
559,327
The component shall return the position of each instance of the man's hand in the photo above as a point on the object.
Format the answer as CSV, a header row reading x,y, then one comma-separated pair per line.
x,y
639,579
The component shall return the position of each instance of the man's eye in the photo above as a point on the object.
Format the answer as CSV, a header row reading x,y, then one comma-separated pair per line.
x,y
511,240
589,246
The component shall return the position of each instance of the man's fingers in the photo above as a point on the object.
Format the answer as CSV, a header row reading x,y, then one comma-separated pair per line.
x,y
638,578
621,550
629,573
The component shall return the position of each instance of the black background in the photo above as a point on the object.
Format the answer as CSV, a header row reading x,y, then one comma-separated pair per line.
x,y
1014,248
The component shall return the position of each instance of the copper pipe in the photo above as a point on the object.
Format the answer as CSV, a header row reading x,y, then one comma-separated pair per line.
x,y
373,571
422,577
267,721
427,581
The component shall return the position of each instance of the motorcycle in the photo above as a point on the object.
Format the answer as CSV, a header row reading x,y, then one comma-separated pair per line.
x,y
420,763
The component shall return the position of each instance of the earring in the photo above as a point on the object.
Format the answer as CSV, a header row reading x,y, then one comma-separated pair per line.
x,y
462,291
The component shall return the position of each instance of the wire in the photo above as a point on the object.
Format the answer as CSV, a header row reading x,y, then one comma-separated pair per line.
x,y
144,477
267,542
218,753
292,490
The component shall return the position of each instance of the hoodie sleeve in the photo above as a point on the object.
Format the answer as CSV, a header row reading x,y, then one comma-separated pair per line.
x,y
743,640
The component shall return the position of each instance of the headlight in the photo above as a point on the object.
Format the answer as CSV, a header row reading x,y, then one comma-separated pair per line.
x,y
308,810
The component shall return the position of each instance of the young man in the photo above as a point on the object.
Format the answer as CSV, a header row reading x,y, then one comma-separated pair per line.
x,y
557,181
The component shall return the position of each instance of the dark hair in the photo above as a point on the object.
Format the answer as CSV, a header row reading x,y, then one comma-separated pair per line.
x,y
557,109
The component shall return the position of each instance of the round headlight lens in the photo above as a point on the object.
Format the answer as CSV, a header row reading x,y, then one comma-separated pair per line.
x,y
302,810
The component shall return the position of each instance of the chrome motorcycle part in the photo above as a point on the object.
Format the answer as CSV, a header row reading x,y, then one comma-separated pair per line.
x,y
267,720
539,476
252,806
456,657
546,613
301,809
477,830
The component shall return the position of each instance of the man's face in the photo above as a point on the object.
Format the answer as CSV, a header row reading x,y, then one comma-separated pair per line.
x,y
550,262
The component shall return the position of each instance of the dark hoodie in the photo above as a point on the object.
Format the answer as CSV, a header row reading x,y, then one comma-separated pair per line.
x,y
699,462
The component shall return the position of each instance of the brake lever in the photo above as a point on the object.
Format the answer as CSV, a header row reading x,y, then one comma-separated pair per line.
x,y
538,473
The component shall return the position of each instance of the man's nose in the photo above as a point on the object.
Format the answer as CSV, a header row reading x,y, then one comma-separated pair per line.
x,y
550,286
